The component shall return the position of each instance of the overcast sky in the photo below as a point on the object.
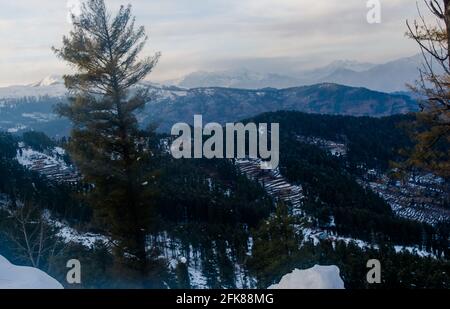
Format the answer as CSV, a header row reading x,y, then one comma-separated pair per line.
x,y
280,36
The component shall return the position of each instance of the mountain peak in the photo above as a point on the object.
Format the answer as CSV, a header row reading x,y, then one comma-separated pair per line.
x,y
49,81
236,78
349,65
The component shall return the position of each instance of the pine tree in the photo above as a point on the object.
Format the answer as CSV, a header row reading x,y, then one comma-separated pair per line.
x,y
432,128
106,143
276,237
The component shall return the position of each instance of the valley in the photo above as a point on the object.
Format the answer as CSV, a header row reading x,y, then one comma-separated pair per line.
x,y
322,151
214,104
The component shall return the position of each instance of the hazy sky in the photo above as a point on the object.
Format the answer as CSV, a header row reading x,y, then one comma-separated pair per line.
x,y
263,35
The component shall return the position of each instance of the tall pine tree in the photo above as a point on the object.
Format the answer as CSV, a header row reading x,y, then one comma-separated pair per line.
x,y
106,143
432,128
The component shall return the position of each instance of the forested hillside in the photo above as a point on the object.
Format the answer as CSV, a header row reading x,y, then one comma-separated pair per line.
x,y
214,227
372,141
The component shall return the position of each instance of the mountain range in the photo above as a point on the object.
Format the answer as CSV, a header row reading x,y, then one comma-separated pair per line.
x,y
173,104
388,77
226,97
229,104
392,76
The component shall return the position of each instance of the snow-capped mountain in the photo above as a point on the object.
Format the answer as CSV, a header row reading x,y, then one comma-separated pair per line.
x,y
31,107
171,104
392,76
52,86
349,64
387,77
315,75
243,78
50,80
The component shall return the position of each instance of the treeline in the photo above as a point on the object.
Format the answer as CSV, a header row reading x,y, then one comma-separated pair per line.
x,y
209,191
372,141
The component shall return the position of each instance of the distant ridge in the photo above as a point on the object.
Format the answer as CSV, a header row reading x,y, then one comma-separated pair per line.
x,y
227,104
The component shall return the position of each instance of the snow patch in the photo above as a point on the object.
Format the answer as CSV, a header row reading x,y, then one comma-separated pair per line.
x,y
21,277
17,128
71,235
49,81
318,277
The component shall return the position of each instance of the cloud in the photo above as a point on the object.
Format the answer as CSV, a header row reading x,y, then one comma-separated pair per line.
x,y
215,34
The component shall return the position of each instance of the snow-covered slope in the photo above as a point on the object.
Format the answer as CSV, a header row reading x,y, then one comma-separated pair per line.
x,y
318,277
52,86
49,81
21,277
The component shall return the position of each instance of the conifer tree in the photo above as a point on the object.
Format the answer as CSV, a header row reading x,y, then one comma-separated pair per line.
x,y
106,143
432,129
276,237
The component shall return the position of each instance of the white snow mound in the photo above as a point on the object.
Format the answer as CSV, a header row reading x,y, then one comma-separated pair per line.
x,y
318,277
21,277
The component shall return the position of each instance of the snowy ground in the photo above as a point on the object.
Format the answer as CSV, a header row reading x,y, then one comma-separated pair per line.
x,y
64,231
17,128
172,250
48,164
71,235
28,157
21,277
421,198
175,253
316,236
317,277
